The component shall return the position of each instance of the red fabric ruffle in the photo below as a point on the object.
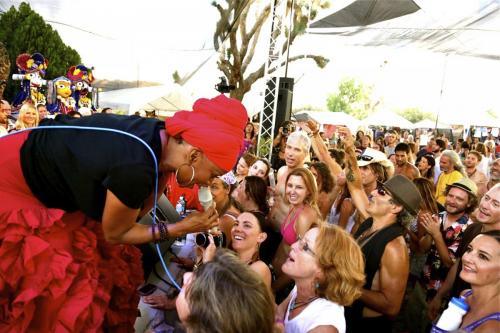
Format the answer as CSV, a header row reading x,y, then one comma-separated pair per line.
x,y
57,272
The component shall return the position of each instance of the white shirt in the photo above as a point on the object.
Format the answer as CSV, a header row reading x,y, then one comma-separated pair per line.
x,y
320,312
3,131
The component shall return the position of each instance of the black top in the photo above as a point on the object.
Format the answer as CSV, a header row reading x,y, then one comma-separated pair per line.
x,y
72,169
372,251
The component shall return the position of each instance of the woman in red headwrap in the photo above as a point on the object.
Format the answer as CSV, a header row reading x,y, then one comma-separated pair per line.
x,y
70,199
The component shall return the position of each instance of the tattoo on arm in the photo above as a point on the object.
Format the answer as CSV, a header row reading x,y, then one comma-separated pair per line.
x,y
350,175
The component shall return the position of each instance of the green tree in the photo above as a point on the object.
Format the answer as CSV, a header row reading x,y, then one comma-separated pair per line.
x,y
352,98
22,30
415,114
240,24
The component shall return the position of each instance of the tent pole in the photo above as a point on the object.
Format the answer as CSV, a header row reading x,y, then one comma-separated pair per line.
x,y
443,78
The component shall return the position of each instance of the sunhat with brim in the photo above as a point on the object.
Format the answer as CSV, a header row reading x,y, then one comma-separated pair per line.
x,y
465,184
370,156
404,192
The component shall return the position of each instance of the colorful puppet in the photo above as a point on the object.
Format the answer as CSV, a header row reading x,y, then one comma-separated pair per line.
x,y
81,77
31,68
63,102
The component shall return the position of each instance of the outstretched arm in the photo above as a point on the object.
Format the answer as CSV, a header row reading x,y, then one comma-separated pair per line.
x,y
319,147
353,176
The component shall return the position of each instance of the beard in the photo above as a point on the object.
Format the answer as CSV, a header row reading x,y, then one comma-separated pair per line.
x,y
455,210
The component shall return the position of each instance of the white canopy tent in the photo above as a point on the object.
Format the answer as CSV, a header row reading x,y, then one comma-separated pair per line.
x,y
165,100
334,118
482,119
387,118
427,123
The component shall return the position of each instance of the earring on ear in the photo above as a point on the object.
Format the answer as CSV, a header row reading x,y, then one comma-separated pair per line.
x,y
177,173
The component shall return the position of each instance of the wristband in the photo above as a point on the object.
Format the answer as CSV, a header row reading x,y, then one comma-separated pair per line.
x,y
164,235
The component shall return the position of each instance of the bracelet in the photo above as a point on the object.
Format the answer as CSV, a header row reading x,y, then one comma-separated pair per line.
x,y
279,321
164,235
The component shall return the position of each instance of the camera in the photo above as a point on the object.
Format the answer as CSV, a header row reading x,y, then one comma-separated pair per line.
x,y
288,127
223,87
146,289
203,240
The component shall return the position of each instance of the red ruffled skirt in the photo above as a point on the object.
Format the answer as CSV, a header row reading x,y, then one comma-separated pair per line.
x,y
57,272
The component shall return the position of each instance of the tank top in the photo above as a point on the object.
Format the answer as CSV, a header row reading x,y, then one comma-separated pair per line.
x,y
287,228
492,316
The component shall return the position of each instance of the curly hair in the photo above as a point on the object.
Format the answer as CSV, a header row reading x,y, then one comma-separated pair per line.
x,y
226,295
342,263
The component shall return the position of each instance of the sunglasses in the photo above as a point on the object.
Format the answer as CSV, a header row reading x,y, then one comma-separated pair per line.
x,y
380,189
365,158
383,192
304,246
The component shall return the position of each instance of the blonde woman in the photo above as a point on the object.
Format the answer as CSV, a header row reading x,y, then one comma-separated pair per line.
x,y
327,266
28,117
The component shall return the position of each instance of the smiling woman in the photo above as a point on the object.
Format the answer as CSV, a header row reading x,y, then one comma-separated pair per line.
x,y
301,195
27,118
481,268
225,295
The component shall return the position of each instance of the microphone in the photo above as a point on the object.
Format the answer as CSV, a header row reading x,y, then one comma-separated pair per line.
x,y
205,197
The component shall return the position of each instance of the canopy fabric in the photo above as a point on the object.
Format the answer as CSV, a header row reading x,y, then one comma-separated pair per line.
x,y
334,118
387,118
364,12
482,119
470,29
164,99
427,123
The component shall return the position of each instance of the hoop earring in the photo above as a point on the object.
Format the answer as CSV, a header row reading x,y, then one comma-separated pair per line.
x,y
177,173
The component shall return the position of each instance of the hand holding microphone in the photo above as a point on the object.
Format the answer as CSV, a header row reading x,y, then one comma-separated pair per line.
x,y
203,239
200,222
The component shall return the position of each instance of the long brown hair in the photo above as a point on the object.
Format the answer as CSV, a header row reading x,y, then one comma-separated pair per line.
x,y
426,188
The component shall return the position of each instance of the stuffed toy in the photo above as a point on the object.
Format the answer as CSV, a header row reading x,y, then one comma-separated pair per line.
x,y
63,101
31,70
81,79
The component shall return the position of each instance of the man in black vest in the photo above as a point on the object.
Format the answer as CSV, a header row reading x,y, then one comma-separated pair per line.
x,y
381,239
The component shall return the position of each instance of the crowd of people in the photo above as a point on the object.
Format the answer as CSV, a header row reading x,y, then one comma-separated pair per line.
x,y
370,232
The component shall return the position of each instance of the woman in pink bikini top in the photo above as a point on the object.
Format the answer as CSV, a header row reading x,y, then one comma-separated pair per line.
x,y
301,195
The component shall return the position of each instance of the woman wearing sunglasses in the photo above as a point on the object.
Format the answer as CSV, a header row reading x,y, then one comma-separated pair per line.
x,y
325,281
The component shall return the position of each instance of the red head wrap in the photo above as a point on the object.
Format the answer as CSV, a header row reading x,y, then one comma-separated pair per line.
x,y
215,126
